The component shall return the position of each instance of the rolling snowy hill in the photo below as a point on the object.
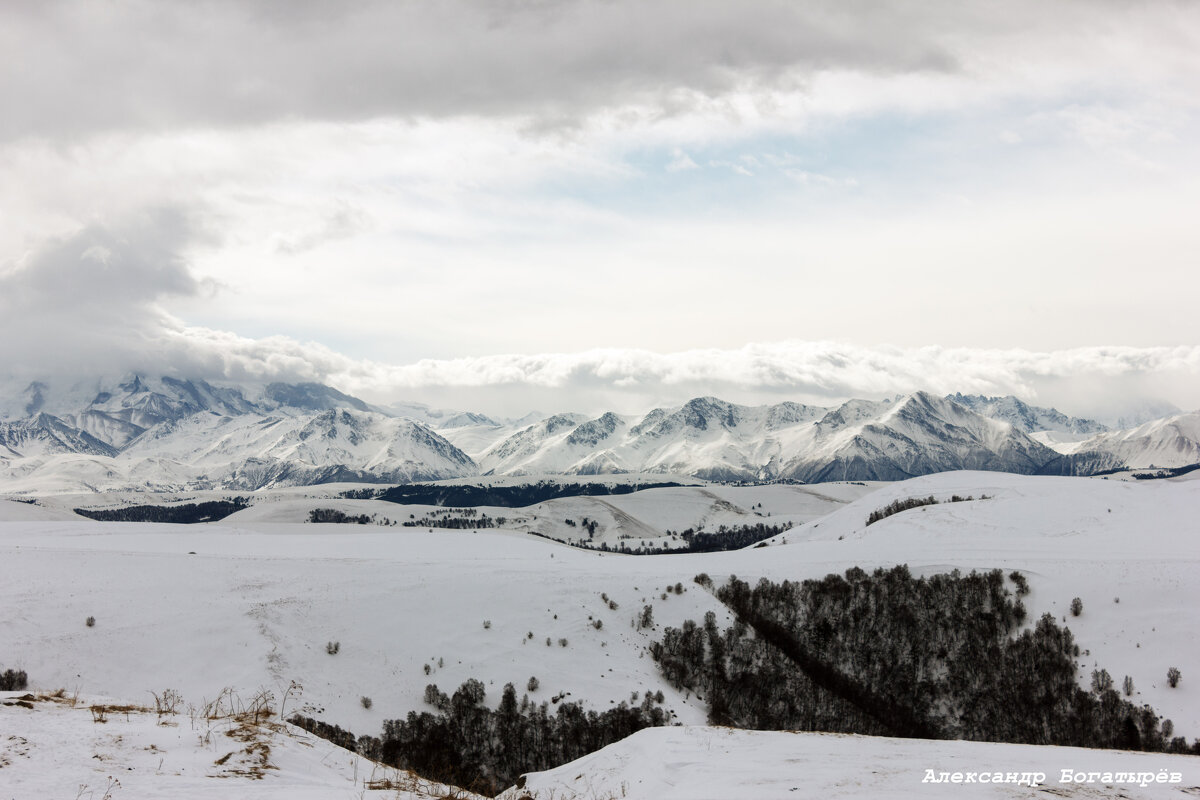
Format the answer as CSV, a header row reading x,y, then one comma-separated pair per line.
x,y
702,763
252,603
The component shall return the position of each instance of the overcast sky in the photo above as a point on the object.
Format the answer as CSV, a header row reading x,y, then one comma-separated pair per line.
x,y
585,205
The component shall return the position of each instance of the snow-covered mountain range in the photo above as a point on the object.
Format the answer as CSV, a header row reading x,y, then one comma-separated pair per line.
x,y
184,434
894,439
172,434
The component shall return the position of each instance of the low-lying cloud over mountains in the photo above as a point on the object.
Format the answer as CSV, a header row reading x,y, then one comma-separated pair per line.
x,y
92,304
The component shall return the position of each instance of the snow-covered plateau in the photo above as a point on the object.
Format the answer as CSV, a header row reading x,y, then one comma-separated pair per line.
x,y
254,602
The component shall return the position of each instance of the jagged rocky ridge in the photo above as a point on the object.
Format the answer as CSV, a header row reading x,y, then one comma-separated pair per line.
x,y
169,433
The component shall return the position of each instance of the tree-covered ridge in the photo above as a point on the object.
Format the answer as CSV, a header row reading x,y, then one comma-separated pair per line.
x,y
211,511
887,653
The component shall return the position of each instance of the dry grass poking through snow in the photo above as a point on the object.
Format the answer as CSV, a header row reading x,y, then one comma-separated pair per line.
x,y
252,724
57,744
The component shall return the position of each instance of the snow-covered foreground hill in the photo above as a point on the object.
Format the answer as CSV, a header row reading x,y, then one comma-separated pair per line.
x,y
252,603
704,763
54,746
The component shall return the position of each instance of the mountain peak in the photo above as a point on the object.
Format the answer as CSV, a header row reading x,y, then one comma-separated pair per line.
x,y
1026,417
311,396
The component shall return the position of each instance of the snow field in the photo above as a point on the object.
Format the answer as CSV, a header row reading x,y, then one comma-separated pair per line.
x,y
705,763
93,747
250,603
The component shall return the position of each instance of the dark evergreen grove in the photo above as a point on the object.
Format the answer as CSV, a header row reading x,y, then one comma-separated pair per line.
x,y
889,654
327,515
1164,473
468,744
724,538
13,680
187,513
455,519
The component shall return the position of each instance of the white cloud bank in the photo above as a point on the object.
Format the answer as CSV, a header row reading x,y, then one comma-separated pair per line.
x,y
1093,381
456,177
90,305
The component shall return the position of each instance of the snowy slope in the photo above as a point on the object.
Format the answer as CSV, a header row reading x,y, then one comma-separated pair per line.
x,y
44,435
914,435
53,746
710,438
1058,441
519,453
356,445
257,602
706,437
250,451
643,516
477,439
703,763
1030,419
1170,442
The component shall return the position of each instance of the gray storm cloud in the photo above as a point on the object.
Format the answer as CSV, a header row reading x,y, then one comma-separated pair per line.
x,y
132,63
143,86
76,68
88,302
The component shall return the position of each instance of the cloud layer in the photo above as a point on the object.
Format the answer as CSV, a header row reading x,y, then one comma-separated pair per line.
x,y
130,63
1098,381
90,306
1094,380
620,193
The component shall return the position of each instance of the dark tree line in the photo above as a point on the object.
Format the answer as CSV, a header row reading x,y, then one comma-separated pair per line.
x,y
456,519
188,513
505,496
332,733
361,494
887,653
896,506
1168,472
694,542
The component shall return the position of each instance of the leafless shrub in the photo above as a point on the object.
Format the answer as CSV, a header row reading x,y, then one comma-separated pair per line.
x,y
167,703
